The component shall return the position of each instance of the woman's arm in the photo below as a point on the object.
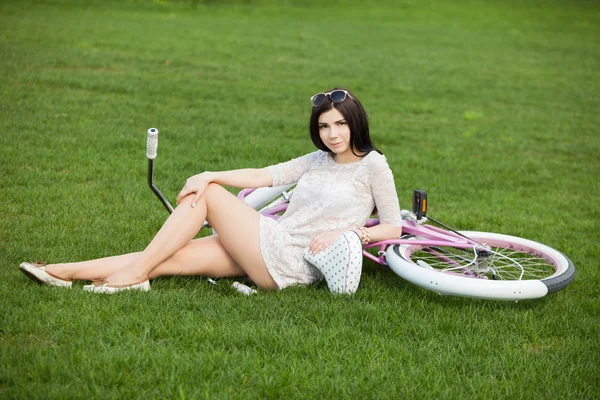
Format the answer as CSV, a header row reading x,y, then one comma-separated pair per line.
x,y
240,178
280,174
381,232
375,233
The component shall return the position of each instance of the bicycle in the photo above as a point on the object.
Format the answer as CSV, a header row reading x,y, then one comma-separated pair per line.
x,y
473,264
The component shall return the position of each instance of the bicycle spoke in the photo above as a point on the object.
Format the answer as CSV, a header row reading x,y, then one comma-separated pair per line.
x,y
501,262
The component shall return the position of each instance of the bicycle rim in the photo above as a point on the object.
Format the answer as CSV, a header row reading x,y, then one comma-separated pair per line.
x,y
511,268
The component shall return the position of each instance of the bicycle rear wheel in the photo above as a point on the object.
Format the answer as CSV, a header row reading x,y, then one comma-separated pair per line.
x,y
511,268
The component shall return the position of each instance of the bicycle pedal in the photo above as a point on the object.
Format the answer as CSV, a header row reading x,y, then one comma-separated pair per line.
x,y
419,203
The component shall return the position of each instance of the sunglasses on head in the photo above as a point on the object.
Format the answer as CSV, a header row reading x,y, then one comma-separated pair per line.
x,y
336,96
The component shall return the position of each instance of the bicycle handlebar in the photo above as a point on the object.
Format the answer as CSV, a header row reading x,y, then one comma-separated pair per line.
x,y
152,143
151,152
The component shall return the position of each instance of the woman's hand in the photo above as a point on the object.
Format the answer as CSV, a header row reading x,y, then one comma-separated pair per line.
x,y
323,241
195,184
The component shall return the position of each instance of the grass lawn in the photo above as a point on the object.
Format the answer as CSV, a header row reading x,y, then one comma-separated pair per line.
x,y
493,107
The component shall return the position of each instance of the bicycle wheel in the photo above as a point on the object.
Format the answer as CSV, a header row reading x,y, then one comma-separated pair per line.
x,y
511,268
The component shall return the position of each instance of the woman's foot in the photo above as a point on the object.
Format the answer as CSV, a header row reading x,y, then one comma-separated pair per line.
x,y
105,288
125,277
38,273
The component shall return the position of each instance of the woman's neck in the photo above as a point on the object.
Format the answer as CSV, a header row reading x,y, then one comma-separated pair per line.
x,y
347,157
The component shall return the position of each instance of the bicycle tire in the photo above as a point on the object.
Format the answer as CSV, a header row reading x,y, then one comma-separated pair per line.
x,y
542,269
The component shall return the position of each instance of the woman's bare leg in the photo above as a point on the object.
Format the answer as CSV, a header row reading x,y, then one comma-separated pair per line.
x,y
205,256
91,270
236,223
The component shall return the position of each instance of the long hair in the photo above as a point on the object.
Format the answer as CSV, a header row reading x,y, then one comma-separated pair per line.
x,y
356,117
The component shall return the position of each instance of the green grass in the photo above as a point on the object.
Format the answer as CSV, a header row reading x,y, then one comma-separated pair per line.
x,y
490,106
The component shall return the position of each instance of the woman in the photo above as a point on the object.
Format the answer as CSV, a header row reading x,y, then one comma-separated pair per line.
x,y
338,187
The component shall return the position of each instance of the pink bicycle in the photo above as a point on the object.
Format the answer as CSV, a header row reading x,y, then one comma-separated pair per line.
x,y
460,263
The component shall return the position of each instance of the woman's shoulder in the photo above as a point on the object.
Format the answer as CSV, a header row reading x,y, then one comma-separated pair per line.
x,y
319,157
375,158
311,157
310,160
320,154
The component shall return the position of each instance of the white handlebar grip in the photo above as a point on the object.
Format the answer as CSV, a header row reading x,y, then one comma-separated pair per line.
x,y
152,143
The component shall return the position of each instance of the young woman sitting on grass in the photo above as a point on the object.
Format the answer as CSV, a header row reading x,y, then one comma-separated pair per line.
x,y
338,187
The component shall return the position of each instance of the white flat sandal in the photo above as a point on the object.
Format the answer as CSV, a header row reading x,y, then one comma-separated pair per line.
x,y
104,288
340,263
37,273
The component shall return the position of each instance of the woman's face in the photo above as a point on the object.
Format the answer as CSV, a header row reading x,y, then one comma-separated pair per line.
x,y
335,133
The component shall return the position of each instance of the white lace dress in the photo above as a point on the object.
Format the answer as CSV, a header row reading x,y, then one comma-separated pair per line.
x,y
328,197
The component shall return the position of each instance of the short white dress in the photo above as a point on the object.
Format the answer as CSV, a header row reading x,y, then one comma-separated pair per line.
x,y
328,197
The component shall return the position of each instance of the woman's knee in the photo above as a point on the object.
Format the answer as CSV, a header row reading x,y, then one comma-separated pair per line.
x,y
215,194
211,191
